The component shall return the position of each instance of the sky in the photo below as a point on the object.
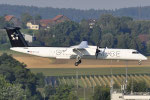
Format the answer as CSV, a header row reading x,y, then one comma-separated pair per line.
x,y
80,4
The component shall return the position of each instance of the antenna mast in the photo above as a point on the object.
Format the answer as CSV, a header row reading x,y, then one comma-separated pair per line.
x,y
126,79
111,84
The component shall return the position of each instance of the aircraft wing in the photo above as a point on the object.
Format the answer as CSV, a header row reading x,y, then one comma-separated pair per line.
x,y
81,46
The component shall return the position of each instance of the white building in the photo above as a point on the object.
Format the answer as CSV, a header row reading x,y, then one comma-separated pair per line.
x,y
123,95
33,25
132,96
29,38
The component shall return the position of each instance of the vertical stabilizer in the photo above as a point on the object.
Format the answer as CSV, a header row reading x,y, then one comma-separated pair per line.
x,y
15,37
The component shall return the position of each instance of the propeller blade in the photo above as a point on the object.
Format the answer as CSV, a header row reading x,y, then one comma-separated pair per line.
x,y
97,50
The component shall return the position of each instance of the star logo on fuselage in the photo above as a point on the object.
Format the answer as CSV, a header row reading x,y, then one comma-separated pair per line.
x,y
14,36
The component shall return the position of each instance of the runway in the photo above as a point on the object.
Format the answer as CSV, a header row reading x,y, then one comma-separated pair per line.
x,y
39,62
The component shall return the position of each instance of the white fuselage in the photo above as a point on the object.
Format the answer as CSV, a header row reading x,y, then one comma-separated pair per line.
x,y
87,53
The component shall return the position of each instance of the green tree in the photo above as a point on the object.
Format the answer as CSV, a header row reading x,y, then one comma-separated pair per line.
x,y
101,93
4,44
25,17
63,34
84,23
109,24
64,92
40,80
148,47
72,96
15,72
121,41
10,91
107,40
49,91
140,86
95,35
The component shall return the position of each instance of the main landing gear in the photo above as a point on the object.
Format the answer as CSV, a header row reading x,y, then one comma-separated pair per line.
x,y
78,61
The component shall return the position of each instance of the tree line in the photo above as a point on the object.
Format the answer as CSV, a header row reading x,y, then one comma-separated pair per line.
x,y
110,31
74,14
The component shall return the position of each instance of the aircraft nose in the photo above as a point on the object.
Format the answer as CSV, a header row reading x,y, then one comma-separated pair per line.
x,y
144,58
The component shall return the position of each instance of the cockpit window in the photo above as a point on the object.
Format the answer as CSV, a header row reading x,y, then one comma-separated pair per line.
x,y
135,52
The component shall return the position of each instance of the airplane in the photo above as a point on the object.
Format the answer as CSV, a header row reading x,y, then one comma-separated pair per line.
x,y
78,52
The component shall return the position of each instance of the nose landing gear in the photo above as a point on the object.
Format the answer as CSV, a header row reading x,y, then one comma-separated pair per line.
x,y
140,62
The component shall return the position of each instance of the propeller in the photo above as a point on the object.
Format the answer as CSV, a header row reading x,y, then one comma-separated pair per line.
x,y
97,50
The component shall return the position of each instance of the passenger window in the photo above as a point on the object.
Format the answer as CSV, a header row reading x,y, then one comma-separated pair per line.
x,y
135,52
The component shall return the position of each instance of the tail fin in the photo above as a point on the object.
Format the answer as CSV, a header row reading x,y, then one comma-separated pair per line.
x,y
15,37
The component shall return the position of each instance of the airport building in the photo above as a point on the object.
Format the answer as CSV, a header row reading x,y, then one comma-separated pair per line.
x,y
29,38
132,96
123,95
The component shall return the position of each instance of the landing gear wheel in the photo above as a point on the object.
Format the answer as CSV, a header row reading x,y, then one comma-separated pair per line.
x,y
76,63
79,61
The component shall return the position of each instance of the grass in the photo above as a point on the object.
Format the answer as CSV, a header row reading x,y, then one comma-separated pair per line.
x,y
89,71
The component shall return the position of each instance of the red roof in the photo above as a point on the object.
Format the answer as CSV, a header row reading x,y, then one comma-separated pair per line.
x,y
55,20
143,37
46,21
8,17
57,17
